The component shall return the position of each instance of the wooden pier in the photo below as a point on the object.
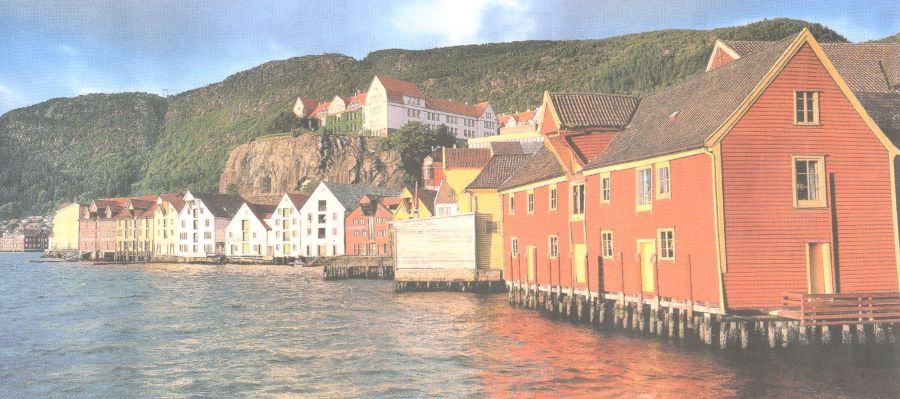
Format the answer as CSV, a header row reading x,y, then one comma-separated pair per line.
x,y
357,267
811,327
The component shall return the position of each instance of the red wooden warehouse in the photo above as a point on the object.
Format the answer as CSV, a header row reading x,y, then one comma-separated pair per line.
x,y
771,173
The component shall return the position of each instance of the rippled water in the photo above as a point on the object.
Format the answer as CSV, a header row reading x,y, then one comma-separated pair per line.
x,y
77,330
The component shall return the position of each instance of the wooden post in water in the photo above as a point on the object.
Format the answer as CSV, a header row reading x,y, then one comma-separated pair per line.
x,y
846,338
745,335
861,334
825,335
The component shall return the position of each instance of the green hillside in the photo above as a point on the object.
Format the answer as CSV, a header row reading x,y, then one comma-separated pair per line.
x,y
890,39
201,126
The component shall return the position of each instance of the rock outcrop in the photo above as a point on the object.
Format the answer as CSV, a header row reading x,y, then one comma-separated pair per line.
x,y
288,163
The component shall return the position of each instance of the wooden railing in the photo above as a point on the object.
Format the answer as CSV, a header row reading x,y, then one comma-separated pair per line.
x,y
840,309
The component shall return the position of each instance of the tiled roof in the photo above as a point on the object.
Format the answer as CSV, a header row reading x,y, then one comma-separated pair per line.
x,y
497,171
221,205
862,65
360,99
439,104
445,194
884,108
349,194
466,157
744,47
540,166
396,89
427,197
891,68
585,109
298,199
176,200
682,116
506,148
309,104
524,116
502,119
262,211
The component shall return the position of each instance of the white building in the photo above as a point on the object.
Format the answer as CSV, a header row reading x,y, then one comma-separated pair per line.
x,y
202,223
322,216
286,226
247,235
392,103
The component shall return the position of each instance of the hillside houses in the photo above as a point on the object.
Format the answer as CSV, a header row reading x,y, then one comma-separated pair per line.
x,y
389,104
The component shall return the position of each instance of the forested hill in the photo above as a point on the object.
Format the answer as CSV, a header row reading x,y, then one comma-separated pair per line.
x,y
92,151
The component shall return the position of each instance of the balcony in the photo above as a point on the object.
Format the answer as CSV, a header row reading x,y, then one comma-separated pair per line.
x,y
841,309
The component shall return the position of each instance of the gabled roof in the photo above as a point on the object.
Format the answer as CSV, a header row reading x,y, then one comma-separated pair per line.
x,y
466,157
592,109
298,199
395,89
497,171
439,104
503,119
349,194
176,200
683,116
262,211
540,166
221,205
309,104
445,194
743,47
359,98
427,198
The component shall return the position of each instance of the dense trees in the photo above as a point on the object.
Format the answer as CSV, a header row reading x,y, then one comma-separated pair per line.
x,y
414,142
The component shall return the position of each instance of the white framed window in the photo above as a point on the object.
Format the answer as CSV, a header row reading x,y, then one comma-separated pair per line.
x,y
514,247
554,198
809,181
666,244
664,180
806,107
512,203
644,189
530,201
554,247
605,188
606,244
578,199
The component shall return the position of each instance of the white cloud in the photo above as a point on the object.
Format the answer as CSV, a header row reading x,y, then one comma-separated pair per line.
x,y
455,22
67,50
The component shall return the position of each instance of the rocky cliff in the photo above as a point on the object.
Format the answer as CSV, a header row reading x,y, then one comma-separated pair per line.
x,y
286,163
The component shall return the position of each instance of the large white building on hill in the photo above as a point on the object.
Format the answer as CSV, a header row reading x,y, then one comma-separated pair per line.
x,y
389,104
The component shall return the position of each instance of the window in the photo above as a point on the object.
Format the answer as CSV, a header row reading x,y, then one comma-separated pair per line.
x,y
514,247
322,205
664,183
553,198
554,246
322,218
645,188
809,182
667,244
806,108
530,201
512,203
605,189
321,232
578,199
606,244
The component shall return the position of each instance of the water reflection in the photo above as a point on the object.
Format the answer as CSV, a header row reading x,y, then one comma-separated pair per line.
x,y
75,330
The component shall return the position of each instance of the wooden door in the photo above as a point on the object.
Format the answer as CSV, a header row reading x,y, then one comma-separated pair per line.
x,y
647,249
580,252
532,258
819,268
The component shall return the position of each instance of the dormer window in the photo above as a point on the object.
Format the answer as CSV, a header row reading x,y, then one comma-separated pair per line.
x,y
806,108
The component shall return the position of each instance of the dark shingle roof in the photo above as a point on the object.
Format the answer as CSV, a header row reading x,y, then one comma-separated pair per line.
x,y
498,170
744,47
466,157
603,110
542,165
220,204
884,108
891,68
349,194
506,148
683,116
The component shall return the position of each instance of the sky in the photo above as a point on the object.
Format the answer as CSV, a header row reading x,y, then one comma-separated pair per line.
x,y
54,48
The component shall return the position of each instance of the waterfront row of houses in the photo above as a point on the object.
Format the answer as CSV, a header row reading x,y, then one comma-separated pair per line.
x,y
196,225
389,104
774,172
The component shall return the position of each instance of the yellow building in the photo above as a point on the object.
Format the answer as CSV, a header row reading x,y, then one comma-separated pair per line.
x,y
65,227
482,197
415,203
461,167
134,230
165,226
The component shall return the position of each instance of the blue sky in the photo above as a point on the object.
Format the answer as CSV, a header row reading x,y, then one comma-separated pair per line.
x,y
67,48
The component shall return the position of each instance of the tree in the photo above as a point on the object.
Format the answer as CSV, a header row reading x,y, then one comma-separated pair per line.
x,y
414,141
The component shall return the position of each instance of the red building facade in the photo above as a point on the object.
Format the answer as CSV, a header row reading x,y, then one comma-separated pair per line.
x,y
765,175
366,228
